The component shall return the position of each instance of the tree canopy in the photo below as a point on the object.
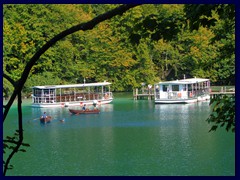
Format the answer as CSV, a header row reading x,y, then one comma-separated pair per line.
x,y
147,44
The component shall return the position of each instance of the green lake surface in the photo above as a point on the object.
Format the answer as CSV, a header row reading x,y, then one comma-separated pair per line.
x,y
127,138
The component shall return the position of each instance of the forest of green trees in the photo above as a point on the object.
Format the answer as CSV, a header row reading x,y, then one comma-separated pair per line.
x,y
148,43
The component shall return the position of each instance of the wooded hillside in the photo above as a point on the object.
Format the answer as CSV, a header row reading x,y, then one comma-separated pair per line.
x,y
147,44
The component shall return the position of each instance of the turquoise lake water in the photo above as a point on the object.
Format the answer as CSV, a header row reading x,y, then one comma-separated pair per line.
x,y
127,138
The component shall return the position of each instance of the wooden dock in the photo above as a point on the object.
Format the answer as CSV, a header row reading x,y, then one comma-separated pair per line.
x,y
144,94
214,94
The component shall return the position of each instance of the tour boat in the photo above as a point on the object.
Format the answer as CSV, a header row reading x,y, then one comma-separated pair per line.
x,y
87,111
182,91
71,95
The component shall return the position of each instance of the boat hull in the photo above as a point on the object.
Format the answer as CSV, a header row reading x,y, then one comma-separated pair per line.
x,y
74,111
182,101
46,120
176,101
67,104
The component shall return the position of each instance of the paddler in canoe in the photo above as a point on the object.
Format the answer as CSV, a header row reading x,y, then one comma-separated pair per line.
x,y
45,118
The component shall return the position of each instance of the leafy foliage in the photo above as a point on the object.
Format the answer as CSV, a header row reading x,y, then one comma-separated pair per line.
x,y
10,143
148,43
220,19
223,113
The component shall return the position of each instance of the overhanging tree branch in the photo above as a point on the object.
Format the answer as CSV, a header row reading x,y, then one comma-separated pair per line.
x,y
9,79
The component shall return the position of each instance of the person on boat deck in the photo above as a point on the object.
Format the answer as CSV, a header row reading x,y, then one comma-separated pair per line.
x,y
44,115
95,104
84,107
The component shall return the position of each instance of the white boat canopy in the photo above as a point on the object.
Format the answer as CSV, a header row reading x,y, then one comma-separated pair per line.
x,y
185,81
72,85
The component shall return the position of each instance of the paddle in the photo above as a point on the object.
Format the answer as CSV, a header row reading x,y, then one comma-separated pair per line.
x,y
33,120
36,118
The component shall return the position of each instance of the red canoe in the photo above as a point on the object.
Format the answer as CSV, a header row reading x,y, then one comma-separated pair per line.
x,y
74,111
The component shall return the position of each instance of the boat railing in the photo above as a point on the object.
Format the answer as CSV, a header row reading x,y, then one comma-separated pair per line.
x,y
196,93
73,97
43,99
174,95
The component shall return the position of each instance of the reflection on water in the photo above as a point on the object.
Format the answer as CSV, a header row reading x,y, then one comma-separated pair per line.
x,y
127,138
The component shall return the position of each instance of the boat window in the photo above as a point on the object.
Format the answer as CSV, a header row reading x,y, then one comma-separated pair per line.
x,y
37,92
165,87
175,87
45,91
189,87
106,88
184,87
